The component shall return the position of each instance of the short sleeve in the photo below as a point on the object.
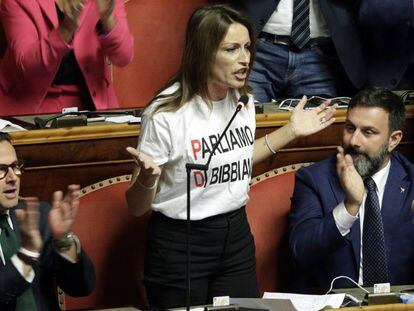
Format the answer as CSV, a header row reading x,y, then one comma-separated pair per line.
x,y
155,138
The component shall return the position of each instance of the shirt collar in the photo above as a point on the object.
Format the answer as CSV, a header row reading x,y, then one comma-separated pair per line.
x,y
380,177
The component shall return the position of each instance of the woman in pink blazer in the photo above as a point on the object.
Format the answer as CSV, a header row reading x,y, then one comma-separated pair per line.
x,y
59,54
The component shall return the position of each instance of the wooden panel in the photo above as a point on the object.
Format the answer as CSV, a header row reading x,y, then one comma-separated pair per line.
x,y
42,182
390,307
55,158
158,27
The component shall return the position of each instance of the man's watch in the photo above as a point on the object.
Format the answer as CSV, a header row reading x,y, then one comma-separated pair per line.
x,y
66,242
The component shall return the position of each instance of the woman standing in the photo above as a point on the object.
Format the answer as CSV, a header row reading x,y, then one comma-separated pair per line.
x,y
181,126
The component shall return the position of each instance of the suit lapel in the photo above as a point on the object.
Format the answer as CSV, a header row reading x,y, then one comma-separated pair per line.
x,y
49,10
354,236
395,192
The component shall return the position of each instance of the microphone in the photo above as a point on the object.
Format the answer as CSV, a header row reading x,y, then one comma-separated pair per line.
x,y
243,100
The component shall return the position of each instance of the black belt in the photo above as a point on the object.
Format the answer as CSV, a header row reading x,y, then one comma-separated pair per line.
x,y
286,40
209,220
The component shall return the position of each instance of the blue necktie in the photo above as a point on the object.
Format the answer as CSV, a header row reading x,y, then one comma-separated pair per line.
x,y
374,259
300,34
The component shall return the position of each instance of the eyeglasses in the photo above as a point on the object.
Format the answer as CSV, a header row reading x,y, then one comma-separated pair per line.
x,y
16,167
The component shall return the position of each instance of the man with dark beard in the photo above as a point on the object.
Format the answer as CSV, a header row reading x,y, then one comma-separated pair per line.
x,y
352,213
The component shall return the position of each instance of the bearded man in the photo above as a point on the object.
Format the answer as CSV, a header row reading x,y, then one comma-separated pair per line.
x,y
352,213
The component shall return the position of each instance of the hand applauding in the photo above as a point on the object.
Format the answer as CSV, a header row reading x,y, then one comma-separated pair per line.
x,y
64,210
350,180
105,9
28,220
71,10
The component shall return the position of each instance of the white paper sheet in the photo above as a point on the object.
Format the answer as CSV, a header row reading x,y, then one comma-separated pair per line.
x,y
309,302
123,119
7,126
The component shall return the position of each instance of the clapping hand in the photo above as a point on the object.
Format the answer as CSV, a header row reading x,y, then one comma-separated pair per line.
x,y
105,9
64,210
350,180
307,122
28,220
72,10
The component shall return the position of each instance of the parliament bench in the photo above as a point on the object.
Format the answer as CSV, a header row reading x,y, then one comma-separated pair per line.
x,y
116,241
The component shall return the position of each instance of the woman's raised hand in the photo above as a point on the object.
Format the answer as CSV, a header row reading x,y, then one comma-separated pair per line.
x,y
307,122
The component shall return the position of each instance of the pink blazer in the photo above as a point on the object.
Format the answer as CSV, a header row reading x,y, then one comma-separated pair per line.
x,y
35,50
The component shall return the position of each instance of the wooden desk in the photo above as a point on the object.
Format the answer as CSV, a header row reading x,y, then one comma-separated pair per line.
x,y
55,158
390,307
359,294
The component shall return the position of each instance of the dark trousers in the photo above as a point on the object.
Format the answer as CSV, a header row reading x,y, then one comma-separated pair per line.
x,y
222,260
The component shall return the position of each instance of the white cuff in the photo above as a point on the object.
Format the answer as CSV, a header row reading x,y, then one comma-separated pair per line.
x,y
343,220
18,263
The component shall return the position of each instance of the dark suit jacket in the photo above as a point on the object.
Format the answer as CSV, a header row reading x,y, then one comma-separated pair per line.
x,y
386,27
340,17
75,279
322,253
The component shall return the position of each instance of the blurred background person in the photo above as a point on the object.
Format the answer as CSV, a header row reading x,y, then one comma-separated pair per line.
x,y
59,54
305,47
388,34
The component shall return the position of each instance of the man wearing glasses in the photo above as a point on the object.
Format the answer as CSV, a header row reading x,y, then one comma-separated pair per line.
x,y
38,249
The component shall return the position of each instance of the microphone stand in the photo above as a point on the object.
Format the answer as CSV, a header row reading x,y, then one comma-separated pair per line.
x,y
189,167
200,167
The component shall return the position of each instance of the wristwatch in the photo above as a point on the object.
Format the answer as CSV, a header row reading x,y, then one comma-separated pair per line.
x,y
65,243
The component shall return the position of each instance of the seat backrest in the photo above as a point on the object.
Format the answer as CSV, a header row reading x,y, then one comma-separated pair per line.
x,y
267,212
115,240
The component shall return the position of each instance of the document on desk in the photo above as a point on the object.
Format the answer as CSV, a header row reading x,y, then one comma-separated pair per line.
x,y
263,304
7,126
309,302
123,119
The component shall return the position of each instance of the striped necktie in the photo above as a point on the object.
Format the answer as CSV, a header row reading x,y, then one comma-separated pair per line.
x,y
374,258
9,246
300,23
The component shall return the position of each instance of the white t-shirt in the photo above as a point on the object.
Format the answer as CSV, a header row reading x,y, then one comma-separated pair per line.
x,y
173,139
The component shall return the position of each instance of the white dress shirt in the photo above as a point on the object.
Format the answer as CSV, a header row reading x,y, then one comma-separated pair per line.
x,y
280,23
16,261
344,221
